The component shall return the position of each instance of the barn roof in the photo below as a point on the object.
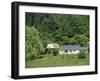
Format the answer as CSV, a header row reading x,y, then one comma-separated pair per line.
x,y
56,45
73,47
53,45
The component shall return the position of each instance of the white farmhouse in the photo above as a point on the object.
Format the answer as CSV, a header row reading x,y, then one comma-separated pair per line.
x,y
71,49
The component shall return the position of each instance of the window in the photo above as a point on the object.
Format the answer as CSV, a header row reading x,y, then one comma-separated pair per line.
x,y
74,50
66,50
70,50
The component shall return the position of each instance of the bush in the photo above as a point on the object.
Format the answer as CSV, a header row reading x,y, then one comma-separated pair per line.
x,y
81,39
33,44
81,55
55,52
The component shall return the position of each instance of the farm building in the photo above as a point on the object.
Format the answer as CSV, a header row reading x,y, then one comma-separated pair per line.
x,y
52,46
72,49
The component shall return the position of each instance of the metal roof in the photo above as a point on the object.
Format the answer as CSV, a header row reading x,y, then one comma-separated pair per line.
x,y
53,45
73,47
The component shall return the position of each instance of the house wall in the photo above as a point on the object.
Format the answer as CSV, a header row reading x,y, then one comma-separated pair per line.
x,y
69,52
61,52
74,52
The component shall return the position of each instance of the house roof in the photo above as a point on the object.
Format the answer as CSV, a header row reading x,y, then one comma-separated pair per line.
x,y
73,47
53,45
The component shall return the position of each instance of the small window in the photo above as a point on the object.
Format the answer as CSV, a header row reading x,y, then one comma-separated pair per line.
x,y
70,50
74,50
66,50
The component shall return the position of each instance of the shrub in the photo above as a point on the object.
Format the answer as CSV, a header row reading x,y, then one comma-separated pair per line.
x,y
33,44
55,52
81,55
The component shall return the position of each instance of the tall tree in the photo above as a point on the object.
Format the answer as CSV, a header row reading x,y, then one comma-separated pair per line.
x,y
33,44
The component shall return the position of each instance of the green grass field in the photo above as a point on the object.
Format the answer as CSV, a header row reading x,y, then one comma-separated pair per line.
x,y
59,60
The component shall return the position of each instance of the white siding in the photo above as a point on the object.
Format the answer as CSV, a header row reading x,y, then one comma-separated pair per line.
x,y
61,52
69,52
73,51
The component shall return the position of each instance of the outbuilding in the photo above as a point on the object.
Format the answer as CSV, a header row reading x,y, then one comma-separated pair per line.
x,y
52,46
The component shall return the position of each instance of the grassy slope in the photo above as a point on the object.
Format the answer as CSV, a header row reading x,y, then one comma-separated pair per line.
x,y
59,60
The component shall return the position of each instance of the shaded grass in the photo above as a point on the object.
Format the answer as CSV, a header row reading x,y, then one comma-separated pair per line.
x,y
59,60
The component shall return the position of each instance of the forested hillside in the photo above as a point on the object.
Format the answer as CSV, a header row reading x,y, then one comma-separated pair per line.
x,y
60,28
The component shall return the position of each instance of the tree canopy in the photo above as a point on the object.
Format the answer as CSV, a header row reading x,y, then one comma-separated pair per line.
x,y
59,28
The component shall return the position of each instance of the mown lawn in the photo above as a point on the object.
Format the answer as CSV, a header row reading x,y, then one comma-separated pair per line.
x,y
59,60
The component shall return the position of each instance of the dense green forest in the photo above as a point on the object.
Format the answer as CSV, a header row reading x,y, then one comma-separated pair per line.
x,y
45,28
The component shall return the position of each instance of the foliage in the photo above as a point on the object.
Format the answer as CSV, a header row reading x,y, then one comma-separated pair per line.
x,y
82,55
63,29
81,39
55,52
60,28
33,45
